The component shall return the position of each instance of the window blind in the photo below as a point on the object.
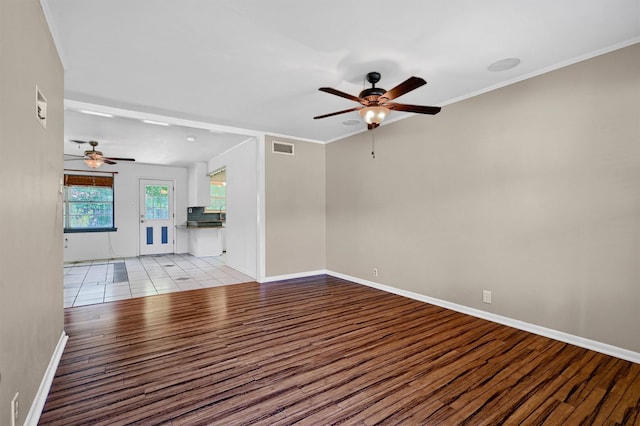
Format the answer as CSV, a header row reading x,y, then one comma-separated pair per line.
x,y
84,180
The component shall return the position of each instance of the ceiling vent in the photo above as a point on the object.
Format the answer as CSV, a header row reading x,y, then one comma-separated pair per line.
x,y
282,148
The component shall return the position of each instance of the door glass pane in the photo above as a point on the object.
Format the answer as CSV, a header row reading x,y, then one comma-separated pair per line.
x,y
156,202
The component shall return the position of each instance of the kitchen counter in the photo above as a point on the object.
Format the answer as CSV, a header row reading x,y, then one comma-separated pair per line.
x,y
199,224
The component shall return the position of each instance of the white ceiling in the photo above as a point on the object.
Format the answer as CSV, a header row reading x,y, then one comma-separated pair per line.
x,y
257,65
122,136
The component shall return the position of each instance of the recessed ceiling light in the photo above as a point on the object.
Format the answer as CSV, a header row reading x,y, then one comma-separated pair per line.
x,y
504,64
191,138
157,123
351,122
99,114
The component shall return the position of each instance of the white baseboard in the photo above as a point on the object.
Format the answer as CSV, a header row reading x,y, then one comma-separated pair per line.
x,y
521,325
293,276
33,416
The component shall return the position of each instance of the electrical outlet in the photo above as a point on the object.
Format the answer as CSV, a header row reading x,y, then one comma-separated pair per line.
x,y
486,296
15,413
375,272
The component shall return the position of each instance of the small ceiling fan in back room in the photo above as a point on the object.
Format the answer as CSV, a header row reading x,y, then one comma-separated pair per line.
x,y
375,102
94,158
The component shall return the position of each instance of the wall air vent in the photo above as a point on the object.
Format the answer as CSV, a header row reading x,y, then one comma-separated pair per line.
x,y
285,148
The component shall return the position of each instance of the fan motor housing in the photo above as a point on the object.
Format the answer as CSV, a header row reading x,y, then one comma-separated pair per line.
x,y
372,93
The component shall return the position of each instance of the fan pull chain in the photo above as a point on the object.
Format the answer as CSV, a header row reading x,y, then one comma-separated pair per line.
x,y
373,143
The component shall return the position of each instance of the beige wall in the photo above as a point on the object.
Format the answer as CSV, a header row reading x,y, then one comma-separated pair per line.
x,y
531,191
294,208
31,289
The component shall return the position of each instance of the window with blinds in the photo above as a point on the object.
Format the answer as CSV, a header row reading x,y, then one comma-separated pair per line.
x,y
88,203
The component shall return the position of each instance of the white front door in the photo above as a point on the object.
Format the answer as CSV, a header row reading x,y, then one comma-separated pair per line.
x,y
156,216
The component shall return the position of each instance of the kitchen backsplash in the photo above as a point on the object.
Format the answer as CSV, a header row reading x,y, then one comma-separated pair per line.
x,y
198,214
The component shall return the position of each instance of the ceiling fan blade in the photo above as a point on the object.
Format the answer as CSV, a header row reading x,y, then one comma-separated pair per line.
x,y
75,157
108,161
406,86
339,93
77,141
336,113
118,159
414,108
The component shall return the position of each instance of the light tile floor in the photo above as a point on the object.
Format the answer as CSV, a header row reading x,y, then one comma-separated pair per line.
x,y
98,281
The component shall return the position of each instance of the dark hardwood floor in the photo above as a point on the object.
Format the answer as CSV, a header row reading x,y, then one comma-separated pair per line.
x,y
322,350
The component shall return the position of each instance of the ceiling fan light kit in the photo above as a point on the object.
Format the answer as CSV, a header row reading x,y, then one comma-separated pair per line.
x,y
376,101
94,163
374,115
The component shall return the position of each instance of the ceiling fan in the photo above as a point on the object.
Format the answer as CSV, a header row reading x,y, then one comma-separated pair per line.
x,y
94,158
376,101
